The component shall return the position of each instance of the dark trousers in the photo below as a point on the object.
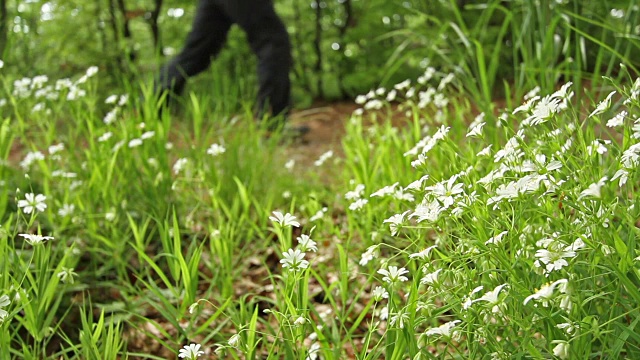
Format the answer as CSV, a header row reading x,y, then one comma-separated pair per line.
x,y
268,39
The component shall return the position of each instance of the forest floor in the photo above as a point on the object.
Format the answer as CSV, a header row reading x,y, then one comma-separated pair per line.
x,y
327,127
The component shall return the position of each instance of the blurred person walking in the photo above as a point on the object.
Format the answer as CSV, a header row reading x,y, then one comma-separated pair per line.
x,y
268,39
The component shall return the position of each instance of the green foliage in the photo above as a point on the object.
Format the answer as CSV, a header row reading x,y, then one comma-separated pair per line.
x,y
444,231
342,48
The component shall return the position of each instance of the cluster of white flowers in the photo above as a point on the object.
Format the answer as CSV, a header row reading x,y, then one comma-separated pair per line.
x,y
324,157
425,145
319,214
30,158
356,198
179,165
294,259
554,253
407,92
475,128
4,302
535,166
216,150
39,88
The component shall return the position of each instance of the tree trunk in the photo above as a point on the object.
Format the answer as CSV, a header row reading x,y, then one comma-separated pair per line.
x,y
4,28
317,44
342,31
155,29
113,21
126,30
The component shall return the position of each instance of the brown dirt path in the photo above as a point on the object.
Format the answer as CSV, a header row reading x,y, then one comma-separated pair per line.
x,y
327,127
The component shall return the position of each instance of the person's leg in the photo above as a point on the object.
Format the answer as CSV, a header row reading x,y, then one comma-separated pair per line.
x,y
269,40
205,40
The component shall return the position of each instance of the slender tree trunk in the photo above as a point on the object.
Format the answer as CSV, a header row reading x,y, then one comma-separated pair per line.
x,y
342,31
317,44
155,29
113,21
126,30
4,28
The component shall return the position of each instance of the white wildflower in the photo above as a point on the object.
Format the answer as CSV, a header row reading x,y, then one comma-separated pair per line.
x,y
147,135
301,320
318,215
495,240
540,165
561,350
429,211
402,85
284,220
123,100
355,193
485,152
111,99
380,293
32,202
493,298
106,136
324,157
417,184
393,274
4,302
358,204
30,158
66,210
395,222
294,260
446,190
289,164
135,143
190,352
543,111
55,148
368,255
92,70
423,254
527,106
306,243
553,259
67,275
431,278
387,190
621,174
603,105
35,239
476,131
216,149
569,328
399,319
444,329
545,293
617,120
594,190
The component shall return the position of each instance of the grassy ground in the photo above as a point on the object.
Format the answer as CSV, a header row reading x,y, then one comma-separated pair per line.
x,y
446,234
443,224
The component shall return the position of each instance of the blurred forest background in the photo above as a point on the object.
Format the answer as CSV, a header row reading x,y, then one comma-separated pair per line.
x,y
342,47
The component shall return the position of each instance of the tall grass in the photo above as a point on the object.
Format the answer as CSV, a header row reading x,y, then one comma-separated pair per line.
x,y
446,233
504,48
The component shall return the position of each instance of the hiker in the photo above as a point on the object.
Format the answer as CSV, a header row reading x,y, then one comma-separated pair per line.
x,y
268,39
